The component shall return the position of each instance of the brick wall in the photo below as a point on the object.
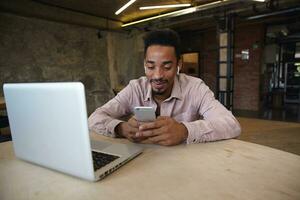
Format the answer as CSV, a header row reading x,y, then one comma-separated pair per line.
x,y
247,73
208,59
206,44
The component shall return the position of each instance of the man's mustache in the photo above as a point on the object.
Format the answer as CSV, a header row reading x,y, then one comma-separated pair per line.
x,y
160,80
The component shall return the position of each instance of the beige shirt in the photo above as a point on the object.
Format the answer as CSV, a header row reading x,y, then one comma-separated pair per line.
x,y
191,103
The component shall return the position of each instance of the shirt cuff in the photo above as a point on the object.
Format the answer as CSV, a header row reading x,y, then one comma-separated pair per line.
x,y
191,134
112,125
196,130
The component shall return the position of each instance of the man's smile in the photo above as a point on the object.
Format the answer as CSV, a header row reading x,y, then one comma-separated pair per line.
x,y
158,84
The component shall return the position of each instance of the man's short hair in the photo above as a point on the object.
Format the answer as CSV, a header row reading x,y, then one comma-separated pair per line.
x,y
164,37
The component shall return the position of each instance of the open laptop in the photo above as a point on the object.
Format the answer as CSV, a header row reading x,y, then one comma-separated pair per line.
x,y
48,122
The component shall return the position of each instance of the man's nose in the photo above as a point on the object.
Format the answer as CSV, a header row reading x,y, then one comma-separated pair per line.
x,y
158,73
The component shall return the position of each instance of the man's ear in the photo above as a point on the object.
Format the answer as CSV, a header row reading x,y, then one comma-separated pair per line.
x,y
145,66
179,66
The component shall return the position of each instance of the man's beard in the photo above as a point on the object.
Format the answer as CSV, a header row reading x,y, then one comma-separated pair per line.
x,y
155,92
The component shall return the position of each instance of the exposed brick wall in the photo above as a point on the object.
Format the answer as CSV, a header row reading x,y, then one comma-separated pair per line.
x,y
206,44
246,73
208,57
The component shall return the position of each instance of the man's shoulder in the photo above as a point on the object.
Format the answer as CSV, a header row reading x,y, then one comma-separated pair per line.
x,y
193,86
190,80
136,89
139,82
139,85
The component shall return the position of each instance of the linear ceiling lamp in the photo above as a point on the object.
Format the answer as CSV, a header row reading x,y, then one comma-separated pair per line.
x,y
165,6
178,12
259,0
124,7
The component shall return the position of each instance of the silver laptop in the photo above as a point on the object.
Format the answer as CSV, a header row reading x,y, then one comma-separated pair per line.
x,y
48,122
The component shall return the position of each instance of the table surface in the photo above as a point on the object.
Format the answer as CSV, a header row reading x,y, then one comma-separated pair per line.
x,y
230,169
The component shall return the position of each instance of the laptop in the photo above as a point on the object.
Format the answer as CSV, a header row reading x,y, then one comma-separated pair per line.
x,y
49,127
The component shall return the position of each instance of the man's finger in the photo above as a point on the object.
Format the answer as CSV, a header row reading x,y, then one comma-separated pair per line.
x,y
158,139
133,122
153,140
150,125
132,137
150,132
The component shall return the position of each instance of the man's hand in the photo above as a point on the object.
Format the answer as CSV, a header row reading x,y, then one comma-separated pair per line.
x,y
164,131
129,130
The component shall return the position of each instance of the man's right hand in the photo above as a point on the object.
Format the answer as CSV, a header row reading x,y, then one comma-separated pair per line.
x,y
129,129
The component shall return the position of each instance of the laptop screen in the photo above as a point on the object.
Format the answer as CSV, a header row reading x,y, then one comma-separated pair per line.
x,y
48,123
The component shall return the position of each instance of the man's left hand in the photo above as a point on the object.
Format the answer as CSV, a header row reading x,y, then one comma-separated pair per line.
x,y
164,131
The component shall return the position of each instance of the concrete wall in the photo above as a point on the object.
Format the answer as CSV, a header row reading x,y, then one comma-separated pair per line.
x,y
125,56
34,50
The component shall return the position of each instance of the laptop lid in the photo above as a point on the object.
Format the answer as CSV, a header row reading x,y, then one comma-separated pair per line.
x,y
49,127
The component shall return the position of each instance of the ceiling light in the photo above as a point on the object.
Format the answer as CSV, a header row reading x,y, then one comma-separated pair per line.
x,y
124,7
176,13
179,12
259,0
165,6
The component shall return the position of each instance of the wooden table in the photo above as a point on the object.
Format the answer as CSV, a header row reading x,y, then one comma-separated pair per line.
x,y
229,169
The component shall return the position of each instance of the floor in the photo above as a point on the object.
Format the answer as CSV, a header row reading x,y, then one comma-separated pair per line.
x,y
277,127
276,134
287,112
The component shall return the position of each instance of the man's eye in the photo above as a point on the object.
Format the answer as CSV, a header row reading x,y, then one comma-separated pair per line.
x,y
150,67
168,67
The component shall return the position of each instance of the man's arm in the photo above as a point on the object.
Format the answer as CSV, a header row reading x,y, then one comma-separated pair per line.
x,y
218,123
105,119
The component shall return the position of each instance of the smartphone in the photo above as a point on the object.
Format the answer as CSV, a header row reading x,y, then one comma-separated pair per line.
x,y
144,114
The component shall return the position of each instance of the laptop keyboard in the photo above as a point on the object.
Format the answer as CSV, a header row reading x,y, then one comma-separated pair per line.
x,y
102,159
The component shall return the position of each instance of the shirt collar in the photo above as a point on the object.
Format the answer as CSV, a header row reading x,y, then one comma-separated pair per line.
x,y
149,91
176,90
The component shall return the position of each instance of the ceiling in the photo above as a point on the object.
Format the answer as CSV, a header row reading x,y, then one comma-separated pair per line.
x,y
100,13
107,8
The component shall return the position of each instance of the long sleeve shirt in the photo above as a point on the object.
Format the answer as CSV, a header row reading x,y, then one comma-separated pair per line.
x,y
191,103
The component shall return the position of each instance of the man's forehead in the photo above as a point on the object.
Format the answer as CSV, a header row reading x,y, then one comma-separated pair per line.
x,y
155,50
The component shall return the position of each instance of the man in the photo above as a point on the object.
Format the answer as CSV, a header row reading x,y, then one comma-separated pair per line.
x,y
185,107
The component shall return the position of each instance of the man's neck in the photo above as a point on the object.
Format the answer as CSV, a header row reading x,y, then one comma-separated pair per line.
x,y
160,98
